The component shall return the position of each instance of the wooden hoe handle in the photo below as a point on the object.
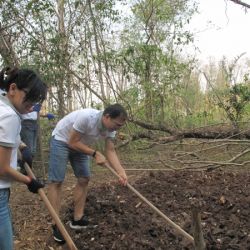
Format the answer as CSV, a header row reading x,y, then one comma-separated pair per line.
x,y
52,212
177,228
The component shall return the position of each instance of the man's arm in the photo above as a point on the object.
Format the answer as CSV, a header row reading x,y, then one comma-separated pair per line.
x,y
114,160
76,143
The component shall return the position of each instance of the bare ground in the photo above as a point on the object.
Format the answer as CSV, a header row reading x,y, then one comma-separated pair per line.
x,y
126,223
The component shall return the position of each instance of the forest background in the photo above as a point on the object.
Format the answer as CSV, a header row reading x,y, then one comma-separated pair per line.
x,y
92,53
183,115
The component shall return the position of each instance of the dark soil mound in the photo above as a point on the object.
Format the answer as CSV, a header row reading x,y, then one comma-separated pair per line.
x,y
125,223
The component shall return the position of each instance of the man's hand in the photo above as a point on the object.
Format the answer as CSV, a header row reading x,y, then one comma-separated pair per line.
x,y
100,159
34,185
123,178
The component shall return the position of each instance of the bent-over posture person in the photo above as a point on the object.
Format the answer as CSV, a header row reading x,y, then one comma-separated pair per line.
x,y
23,89
71,140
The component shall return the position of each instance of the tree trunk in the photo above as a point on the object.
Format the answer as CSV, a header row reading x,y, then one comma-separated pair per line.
x,y
62,86
98,52
6,49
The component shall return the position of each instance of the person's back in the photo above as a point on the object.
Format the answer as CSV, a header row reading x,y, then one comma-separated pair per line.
x,y
86,121
63,127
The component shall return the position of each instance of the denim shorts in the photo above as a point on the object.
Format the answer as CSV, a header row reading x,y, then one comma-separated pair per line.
x,y
6,232
60,154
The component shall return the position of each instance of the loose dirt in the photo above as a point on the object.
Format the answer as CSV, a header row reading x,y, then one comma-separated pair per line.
x,y
124,222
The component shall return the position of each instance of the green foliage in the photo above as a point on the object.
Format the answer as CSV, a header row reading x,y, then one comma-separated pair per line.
x,y
235,100
139,59
46,127
239,97
198,120
148,54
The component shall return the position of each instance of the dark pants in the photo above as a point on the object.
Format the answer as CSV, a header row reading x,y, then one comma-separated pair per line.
x,y
29,134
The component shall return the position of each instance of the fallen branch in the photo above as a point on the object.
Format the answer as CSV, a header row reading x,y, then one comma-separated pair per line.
x,y
239,155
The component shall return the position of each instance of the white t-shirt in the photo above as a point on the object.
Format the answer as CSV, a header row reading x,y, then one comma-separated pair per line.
x,y
30,116
10,126
2,92
87,122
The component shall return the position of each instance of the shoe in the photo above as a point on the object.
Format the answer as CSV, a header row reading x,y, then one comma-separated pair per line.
x,y
79,224
57,235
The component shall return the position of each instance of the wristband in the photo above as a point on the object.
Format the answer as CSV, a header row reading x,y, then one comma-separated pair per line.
x,y
94,154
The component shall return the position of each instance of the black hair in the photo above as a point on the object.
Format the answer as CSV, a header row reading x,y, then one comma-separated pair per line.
x,y
115,110
25,79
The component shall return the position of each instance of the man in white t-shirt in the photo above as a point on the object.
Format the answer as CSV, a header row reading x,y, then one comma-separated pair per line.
x,y
72,140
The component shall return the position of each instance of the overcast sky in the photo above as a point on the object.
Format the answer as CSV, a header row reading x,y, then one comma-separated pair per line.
x,y
221,28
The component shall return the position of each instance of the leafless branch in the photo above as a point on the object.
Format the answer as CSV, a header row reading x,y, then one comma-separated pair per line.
x,y
241,3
